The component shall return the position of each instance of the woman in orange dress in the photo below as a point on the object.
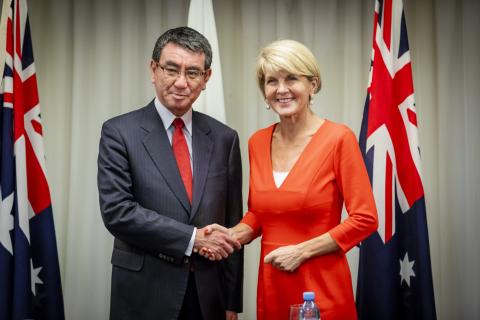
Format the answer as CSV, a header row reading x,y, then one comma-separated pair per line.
x,y
302,170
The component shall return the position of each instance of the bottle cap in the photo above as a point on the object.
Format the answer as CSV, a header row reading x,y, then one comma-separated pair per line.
x,y
309,295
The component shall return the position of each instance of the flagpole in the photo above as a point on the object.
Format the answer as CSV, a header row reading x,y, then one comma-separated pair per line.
x,y
3,35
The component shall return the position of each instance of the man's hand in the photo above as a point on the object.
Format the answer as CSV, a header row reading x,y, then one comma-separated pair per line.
x,y
216,240
287,258
232,315
210,229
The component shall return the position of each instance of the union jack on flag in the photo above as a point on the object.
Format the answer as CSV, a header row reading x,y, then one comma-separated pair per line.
x,y
394,275
30,285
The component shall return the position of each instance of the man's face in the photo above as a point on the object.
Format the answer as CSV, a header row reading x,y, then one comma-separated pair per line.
x,y
179,77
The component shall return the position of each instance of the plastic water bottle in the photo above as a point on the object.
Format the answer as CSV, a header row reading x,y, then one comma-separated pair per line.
x,y
309,309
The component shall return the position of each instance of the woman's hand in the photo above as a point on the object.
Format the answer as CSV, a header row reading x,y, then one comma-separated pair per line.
x,y
287,258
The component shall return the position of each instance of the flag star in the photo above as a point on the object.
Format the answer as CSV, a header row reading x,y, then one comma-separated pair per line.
x,y
6,221
34,276
406,269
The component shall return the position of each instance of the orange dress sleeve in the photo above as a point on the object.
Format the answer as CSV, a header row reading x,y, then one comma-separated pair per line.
x,y
354,184
250,217
251,220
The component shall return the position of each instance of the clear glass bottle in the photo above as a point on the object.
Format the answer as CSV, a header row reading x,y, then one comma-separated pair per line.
x,y
309,309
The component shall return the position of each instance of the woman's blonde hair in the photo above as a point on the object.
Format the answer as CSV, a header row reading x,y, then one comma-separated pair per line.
x,y
290,56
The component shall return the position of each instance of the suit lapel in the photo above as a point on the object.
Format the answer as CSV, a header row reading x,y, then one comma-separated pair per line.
x,y
158,147
202,151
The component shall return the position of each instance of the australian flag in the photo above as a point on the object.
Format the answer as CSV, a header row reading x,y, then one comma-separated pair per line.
x,y
394,275
30,285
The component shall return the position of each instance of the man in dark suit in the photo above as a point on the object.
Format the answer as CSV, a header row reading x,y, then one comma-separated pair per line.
x,y
165,173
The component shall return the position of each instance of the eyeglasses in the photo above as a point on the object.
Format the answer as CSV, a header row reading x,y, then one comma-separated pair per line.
x,y
173,73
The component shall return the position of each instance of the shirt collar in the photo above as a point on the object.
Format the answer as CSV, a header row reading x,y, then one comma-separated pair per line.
x,y
168,117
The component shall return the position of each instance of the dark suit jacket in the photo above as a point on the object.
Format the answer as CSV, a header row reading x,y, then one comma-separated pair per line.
x,y
145,206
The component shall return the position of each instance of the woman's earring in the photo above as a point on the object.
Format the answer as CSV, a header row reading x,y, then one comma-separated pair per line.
x,y
311,100
267,106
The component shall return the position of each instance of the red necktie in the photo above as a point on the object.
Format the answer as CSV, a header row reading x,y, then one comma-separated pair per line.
x,y
180,149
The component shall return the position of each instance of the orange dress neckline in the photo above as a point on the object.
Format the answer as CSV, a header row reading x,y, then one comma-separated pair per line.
x,y
302,154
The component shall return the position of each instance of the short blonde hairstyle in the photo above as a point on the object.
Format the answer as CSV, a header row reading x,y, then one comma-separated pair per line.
x,y
290,56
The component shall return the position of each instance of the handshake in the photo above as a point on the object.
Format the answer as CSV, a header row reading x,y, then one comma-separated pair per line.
x,y
215,242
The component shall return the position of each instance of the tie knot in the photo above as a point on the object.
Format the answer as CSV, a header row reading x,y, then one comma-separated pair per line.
x,y
178,123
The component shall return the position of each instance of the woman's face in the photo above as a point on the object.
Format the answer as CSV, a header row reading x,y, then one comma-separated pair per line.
x,y
288,94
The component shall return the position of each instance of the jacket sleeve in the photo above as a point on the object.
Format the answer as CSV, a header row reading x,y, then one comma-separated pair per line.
x,y
354,184
233,266
123,216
